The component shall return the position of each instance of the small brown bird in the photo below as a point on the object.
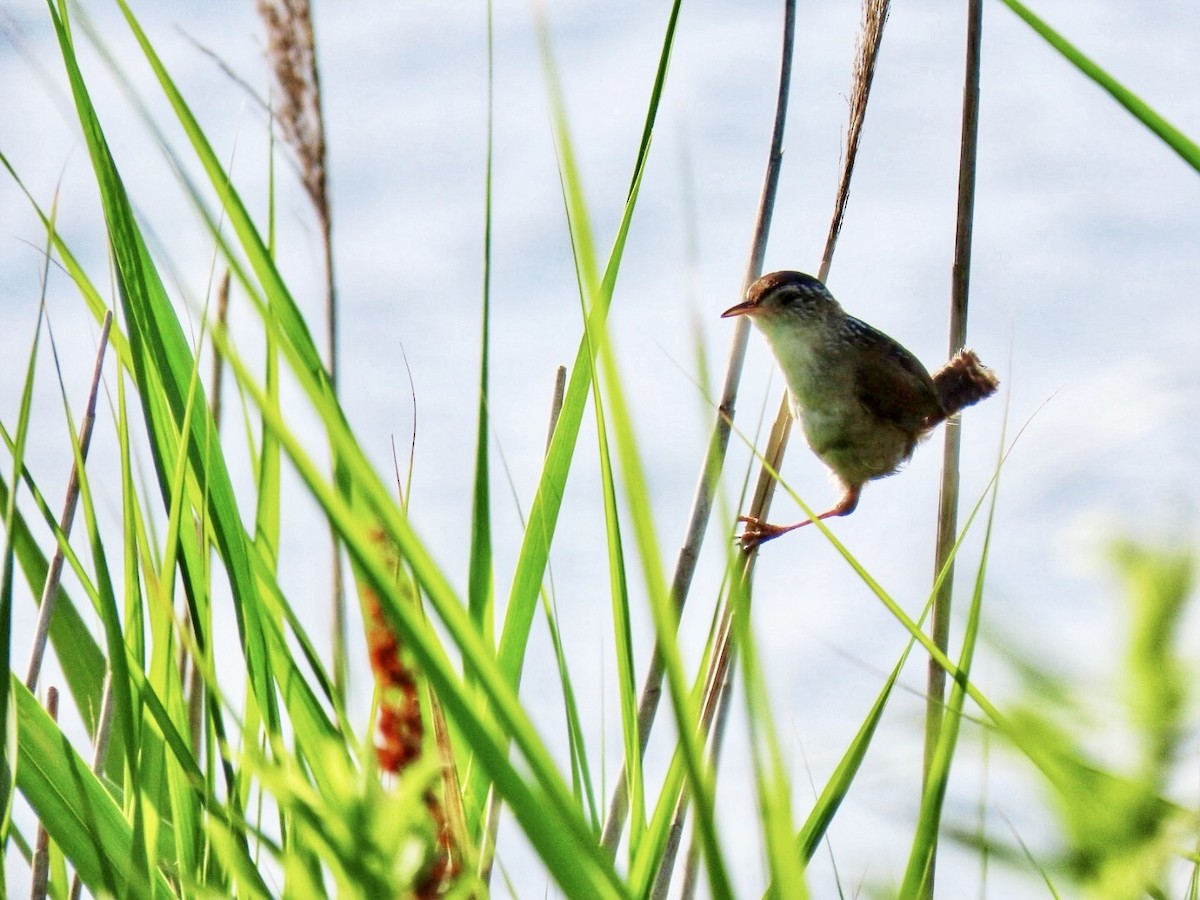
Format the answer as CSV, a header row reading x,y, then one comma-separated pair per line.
x,y
863,401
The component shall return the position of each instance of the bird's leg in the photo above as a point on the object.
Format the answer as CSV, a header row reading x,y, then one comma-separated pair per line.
x,y
758,532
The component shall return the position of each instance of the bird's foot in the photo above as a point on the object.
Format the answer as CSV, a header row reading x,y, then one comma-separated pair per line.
x,y
759,532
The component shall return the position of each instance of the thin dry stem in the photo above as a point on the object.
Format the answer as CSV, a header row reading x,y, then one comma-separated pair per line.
x,y
713,710
291,49
875,13
99,751
691,864
190,670
947,527
195,675
560,388
40,881
54,574
702,501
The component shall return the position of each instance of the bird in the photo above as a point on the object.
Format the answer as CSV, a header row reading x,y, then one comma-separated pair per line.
x,y
863,401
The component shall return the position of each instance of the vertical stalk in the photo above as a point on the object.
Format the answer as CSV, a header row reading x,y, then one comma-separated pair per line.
x,y
947,526
67,519
292,52
875,15
104,723
702,501
40,886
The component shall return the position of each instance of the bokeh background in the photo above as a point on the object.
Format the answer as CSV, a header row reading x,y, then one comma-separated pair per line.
x,y
1084,295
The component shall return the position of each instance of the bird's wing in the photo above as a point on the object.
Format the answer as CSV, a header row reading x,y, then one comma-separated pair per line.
x,y
892,385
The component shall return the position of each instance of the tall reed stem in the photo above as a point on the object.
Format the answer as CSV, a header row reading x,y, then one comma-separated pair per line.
x,y
718,444
719,680
947,527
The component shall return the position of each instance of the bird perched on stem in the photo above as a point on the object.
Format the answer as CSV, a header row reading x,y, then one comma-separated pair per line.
x,y
863,401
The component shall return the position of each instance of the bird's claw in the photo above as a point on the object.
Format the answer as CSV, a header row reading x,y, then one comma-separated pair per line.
x,y
756,532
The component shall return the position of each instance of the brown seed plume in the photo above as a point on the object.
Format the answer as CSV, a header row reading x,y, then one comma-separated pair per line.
x,y
291,49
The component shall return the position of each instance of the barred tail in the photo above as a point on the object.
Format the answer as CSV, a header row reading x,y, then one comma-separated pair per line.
x,y
964,381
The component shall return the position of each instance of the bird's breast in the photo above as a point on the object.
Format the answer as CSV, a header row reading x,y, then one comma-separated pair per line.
x,y
855,444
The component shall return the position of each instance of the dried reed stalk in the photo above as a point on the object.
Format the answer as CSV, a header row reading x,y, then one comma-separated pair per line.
x,y
67,519
947,527
875,13
291,49
40,864
718,680
714,460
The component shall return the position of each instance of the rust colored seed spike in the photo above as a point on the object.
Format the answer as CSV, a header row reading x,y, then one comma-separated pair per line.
x,y
400,735
863,401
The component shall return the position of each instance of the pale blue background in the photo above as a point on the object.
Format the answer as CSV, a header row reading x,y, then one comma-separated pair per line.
x,y
1084,299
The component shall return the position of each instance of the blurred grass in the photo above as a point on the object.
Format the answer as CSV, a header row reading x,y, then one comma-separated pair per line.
x,y
279,792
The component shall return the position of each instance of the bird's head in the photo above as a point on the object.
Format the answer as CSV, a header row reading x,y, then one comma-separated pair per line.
x,y
787,300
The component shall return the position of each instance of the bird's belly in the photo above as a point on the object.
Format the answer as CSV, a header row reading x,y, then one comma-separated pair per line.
x,y
855,445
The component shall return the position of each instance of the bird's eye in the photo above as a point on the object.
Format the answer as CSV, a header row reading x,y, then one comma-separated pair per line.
x,y
791,297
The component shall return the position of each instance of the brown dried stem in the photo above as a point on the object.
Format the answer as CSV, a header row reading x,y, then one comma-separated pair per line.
x,y
947,527
702,501
875,13
99,751
67,519
191,667
291,49
40,881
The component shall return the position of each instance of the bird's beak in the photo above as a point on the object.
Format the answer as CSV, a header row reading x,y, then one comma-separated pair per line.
x,y
746,308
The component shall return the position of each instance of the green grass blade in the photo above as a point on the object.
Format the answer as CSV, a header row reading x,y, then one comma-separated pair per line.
x,y
76,809
581,774
622,625
1186,148
543,515
917,875
645,865
700,778
267,516
8,739
163,366
774,789
79,655
838,786
479,572
583,246
544,806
